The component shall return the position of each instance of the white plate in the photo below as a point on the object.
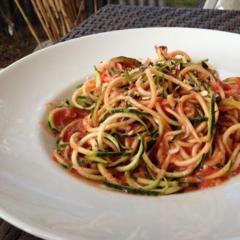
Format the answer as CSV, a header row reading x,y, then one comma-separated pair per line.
x,y
41,198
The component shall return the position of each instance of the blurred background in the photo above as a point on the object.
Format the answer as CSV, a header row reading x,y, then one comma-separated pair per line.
x,y
27,25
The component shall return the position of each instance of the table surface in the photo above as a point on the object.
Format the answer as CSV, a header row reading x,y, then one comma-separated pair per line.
x,y
114,17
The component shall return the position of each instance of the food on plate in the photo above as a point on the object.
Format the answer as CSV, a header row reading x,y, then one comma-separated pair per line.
x,y
152,127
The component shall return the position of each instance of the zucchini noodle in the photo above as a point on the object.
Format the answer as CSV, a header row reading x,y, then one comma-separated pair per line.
x,y
153,127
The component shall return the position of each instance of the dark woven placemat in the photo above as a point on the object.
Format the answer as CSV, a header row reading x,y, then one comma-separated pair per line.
x,y
114,17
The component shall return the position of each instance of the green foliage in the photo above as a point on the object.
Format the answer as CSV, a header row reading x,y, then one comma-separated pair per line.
x,y
181,3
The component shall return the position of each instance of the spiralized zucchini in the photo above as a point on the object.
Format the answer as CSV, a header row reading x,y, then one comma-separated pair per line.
x,y
151,127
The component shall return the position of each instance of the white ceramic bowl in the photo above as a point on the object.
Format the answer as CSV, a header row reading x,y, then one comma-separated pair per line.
x,y
39,197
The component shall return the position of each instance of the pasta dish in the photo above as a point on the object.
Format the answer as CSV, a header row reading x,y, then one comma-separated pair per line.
x,y
152,127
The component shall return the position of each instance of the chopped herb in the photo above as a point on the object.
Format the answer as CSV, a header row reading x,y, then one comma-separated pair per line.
x,y
112,70
84,101
68,103
198,119
183,65
60,145
128,77
65,166
204,65
150,144
81,161
159,80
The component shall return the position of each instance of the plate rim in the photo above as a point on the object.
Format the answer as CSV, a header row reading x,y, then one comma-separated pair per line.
x,y
69,41
31,228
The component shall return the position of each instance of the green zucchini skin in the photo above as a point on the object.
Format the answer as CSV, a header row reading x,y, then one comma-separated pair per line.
x,y
140,191
109,154
128,189
122,110
212,123
136,159
51,123
198,120
186,172
113,131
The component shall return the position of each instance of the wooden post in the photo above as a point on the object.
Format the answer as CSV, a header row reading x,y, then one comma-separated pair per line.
x,y
81,7
53,24
45,17
66,19
57,17
30,26
95,5
41,20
